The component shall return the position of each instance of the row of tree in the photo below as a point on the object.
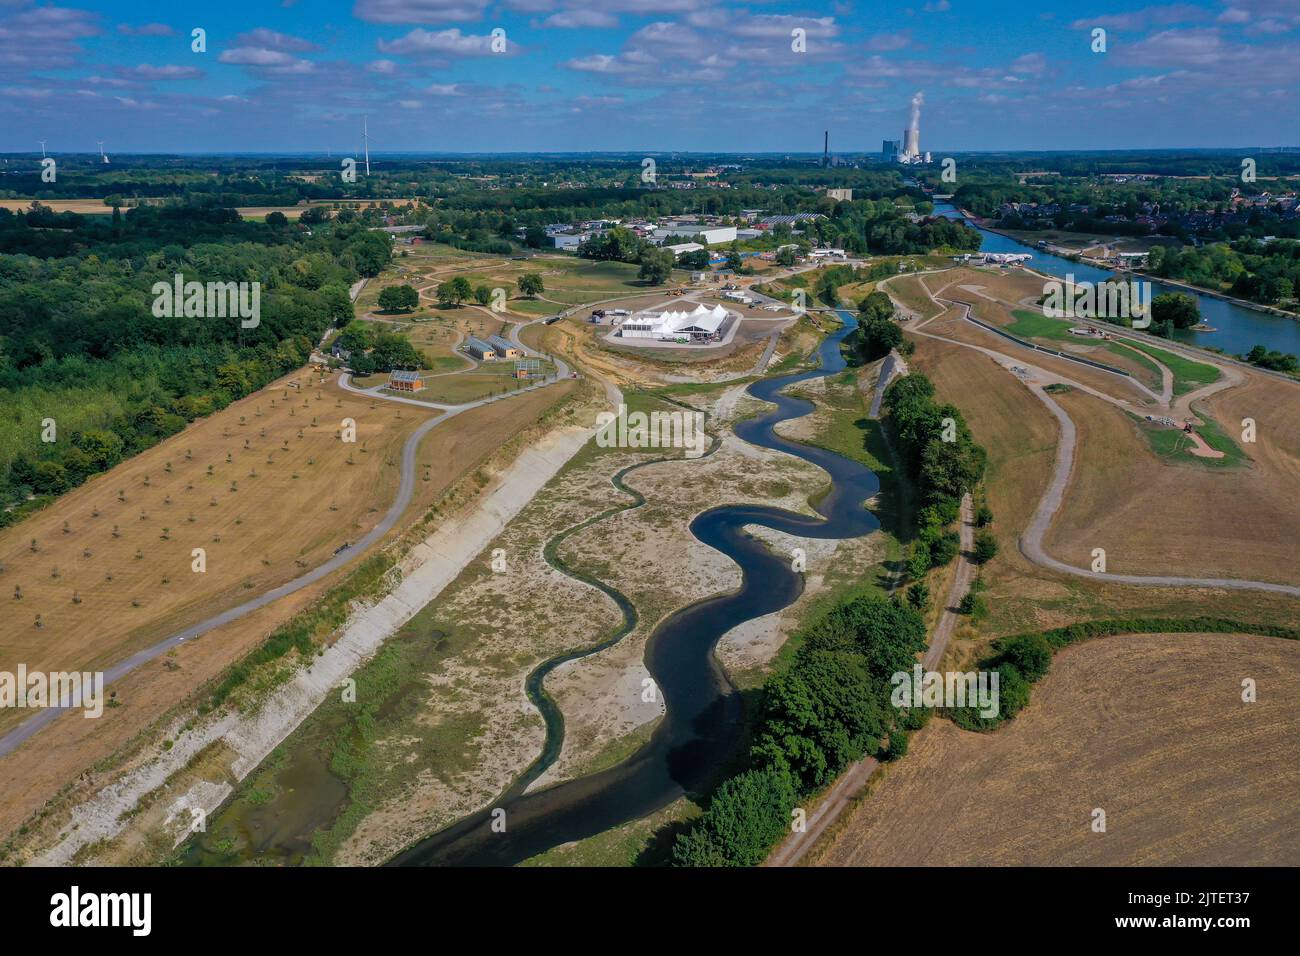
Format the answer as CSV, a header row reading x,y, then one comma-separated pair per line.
x,y
827,710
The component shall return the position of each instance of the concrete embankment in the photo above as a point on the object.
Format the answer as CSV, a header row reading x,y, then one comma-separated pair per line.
x,y
430,566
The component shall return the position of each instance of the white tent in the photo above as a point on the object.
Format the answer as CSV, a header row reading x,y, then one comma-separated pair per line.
x,y
673,323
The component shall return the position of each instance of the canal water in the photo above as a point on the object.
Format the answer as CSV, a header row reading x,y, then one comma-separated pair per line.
x,y
1237,329
704,719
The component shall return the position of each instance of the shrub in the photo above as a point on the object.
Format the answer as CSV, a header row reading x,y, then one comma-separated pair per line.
x,y
945,549
897,746
1030,654
918,596
986,547
746,817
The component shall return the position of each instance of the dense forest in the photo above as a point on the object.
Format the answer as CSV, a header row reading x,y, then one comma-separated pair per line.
x,y
80,344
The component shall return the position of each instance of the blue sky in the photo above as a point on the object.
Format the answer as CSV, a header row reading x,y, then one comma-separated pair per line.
x,y
646,75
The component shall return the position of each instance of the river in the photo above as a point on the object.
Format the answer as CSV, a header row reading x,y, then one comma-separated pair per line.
x,y
704,720
1237,329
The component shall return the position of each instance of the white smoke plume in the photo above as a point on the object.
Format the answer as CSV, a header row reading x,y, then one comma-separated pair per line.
x,y
917,100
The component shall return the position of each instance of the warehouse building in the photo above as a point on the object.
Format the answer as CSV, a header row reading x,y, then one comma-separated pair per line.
x,y
706,235
504,347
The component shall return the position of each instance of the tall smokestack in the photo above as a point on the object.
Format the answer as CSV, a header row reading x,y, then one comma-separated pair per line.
x,y
826,148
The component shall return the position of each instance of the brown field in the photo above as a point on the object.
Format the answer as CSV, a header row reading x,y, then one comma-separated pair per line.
x,y
73,750
296,499
1020,437
85,207
911,291
1275,407
1171,516
1187,773
952,326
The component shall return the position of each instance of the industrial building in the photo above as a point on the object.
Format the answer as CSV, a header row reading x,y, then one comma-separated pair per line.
x,y
706,235
682,248
504,347
480,349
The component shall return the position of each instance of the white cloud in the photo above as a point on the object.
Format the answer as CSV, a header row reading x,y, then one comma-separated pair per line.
x,y
444,42
418,11
270,61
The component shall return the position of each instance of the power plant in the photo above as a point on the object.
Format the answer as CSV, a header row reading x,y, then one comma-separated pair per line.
x,y
908,149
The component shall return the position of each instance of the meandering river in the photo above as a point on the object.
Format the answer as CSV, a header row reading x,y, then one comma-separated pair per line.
x,y
703,723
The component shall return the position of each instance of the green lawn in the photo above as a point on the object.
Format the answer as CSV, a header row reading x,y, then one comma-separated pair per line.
x,y
1035,325
1188,375
1172,444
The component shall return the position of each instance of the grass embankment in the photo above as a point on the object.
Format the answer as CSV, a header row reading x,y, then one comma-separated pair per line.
x,y
1033,325
1188,375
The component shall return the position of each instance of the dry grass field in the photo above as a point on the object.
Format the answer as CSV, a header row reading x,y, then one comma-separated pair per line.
x,y
266,488
75,750
1172,516
1275,408
952,326
912,292
1186,772
1020,435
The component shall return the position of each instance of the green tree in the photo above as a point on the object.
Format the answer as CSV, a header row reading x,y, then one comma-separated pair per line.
x,y
357,336
453,292
818,717
371,251
399,298
745,818
656,266
1030,654
734,261
531,285
1175,308
986,547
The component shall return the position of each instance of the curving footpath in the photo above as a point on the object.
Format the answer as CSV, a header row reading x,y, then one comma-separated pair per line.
x,y
405,492
1031,542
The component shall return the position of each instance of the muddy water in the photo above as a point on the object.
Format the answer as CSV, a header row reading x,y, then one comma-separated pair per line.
x,y
704,717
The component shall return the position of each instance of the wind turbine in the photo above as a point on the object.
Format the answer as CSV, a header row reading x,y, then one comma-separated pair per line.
x,y
42,142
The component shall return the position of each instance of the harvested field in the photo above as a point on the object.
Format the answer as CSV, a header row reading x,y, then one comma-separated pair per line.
x,y
1095,735
913,292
